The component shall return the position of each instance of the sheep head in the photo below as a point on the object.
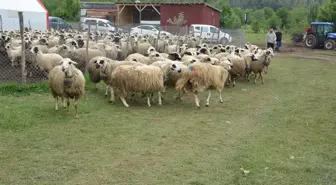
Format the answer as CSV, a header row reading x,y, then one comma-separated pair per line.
x,y
174,56
176,68
67,67
34,50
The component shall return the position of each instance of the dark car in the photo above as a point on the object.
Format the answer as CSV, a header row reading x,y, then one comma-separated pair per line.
x,y
58,23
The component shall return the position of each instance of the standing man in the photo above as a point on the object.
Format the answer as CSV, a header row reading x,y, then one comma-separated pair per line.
x,y
271,39
278,39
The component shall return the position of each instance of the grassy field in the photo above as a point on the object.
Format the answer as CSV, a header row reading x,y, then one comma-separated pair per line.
x,y
282,132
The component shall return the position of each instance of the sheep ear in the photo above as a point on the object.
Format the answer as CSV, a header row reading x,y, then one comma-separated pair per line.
x,y
73,62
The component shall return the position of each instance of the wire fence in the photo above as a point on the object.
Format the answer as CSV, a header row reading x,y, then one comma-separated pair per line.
x,y
20,63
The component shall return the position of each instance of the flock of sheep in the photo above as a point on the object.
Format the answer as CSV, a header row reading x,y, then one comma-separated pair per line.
x,y
130,64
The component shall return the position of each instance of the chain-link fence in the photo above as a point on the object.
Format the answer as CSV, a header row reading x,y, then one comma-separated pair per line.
x,y
19,62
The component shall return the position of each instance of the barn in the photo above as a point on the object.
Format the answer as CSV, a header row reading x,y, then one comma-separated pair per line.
x,y
35,15
194,13
159,13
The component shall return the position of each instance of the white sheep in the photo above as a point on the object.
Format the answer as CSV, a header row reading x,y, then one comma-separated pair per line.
x,y
200,77
46,61
66,81
131,78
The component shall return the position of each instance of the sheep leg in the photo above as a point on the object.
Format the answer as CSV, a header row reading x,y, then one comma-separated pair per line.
x,y
68,107
197,100
160,98
255,78
63,101
262,80
234,82
153,98
56,103
208,99
148,100
179,96
124,101
111,93
76,108
220,95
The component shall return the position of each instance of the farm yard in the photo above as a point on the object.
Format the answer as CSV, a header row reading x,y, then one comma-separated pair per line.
x,y
280,132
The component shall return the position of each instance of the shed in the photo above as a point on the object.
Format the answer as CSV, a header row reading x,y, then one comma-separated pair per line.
x,y
159,13
35,15
103,10
194,13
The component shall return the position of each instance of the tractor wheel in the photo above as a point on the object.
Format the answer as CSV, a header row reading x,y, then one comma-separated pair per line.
x,y
329,44
310,41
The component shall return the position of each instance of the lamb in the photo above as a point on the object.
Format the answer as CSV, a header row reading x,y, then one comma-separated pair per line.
x,y
46,61
131,78
66,81
241,66
202,76
261,65
13,54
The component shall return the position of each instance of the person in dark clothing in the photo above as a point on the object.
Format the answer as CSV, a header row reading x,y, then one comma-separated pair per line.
x,y
278,40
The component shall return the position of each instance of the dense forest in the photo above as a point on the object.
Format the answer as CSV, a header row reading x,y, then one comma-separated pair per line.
x,y
292,16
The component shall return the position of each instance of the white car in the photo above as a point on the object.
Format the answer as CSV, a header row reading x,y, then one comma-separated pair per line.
x,y
101,25
148,30
210,33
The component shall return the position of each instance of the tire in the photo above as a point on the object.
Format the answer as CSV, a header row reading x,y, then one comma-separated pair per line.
x,y
310,41
224,41
329,44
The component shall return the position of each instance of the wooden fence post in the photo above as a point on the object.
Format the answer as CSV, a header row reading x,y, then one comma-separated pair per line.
x,y
23,58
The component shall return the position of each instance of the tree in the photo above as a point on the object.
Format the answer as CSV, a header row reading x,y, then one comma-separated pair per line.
x,y
283,13
268,12
313,12
229,19
255,26
328,12
274,22
240,13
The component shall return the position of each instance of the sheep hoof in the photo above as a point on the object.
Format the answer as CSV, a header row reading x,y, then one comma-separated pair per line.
x,y
77,117
221,101
68,113
105,95
199,107
206,105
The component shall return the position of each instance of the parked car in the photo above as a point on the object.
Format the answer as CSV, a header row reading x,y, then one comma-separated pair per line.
x,y
98,24
58,23
210,33
148,30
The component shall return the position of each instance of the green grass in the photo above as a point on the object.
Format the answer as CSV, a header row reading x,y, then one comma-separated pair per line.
x,y
283,132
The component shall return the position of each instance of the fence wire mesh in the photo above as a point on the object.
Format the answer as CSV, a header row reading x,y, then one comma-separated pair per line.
x,y
87,35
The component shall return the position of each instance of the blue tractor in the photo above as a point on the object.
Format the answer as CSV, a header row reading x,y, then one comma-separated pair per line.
x,y
320,35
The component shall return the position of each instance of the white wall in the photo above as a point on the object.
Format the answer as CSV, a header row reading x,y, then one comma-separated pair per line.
x,y
10,20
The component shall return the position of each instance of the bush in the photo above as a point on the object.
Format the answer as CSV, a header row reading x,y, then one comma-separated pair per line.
x,y
255,26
